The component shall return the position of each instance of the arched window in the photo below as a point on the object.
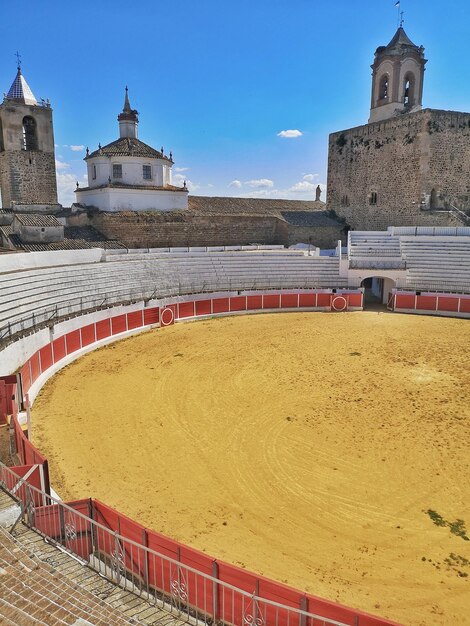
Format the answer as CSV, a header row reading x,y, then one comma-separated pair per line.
x,y
373,198
383,87
94,171
30,140
408,90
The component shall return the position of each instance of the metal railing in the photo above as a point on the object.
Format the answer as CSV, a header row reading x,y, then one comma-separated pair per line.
x,y
163,581
51,315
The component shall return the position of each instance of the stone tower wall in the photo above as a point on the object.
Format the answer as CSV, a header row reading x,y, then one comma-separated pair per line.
x,y
27,176
402,160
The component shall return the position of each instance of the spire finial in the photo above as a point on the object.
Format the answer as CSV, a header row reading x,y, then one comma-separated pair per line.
x,y
402,19
18,60
127,104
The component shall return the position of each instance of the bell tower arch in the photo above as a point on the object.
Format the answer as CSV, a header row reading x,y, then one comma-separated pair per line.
x,y
27,156
397,78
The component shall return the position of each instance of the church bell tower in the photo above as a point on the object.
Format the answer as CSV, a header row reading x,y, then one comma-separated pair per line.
x,y
397,78
27,159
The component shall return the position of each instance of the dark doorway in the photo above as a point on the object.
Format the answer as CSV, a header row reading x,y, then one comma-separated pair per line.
x,y
373,293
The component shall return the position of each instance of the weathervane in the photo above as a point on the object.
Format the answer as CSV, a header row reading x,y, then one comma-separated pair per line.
x,y
18,59
400,19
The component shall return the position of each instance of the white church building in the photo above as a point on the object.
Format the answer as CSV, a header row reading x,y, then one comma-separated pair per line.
x,y
129,175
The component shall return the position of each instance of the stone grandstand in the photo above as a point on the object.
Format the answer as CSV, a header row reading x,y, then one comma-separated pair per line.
x,y
423,259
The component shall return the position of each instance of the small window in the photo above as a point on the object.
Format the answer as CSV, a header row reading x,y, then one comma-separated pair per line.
x,y
30,139
94,172
147,172
117,170
373,198
345,201
383,89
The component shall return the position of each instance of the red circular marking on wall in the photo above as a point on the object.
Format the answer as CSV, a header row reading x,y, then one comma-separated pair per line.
x,y
339,303
167,317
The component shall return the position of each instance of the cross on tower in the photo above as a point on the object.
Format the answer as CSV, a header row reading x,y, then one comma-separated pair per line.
x,y
18,59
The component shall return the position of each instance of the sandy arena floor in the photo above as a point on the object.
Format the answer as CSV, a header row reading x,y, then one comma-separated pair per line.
x,y
304,446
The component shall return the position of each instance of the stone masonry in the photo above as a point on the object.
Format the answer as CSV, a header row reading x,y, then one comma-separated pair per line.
x,y
28,178
406,170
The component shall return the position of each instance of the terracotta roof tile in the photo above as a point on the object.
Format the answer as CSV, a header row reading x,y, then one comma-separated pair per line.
x,y
128,146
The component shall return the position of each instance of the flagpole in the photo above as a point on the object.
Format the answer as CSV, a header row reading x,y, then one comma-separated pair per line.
x,y
397,4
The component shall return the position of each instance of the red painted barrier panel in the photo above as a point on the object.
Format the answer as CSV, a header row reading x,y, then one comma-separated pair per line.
x,y
426,303
448,303
25,377
168,314
88,334
185,309
135,320
324,299
307,299
465,305
72,341
118,324
404,301
8,399
151,316
254,303
238,303
103,329
277,592
289,300
31,476
35,366
200,591
46,357
234,609
271,301
355,299
58,349
203,307
220,305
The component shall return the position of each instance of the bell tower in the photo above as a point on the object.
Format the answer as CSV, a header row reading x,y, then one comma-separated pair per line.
x,y
397,78
27,159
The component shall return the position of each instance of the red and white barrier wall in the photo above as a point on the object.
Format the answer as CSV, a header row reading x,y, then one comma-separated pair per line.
x,y
430,303
54,354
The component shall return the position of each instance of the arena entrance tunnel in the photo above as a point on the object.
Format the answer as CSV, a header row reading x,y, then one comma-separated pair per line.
x,y
377,290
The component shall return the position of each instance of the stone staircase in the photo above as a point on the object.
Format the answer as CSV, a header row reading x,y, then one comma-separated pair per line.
x,y
41,584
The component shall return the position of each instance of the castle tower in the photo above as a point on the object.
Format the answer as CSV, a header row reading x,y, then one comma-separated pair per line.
x,y
397,78
27,160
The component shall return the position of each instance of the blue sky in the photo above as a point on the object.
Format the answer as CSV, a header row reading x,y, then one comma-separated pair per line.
x,y
216,81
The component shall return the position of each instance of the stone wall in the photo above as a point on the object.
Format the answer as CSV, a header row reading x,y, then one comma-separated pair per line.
x,y
28,178
152,230
183,228
401,160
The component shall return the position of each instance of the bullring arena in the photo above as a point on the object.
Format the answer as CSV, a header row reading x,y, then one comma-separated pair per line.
x,y
325,448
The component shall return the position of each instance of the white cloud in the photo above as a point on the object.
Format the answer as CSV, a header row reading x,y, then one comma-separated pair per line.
x,y
60,165
310,177
289,134
77,148
260,183
302,186
181,169
178,180
235,183
210,185
66,185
